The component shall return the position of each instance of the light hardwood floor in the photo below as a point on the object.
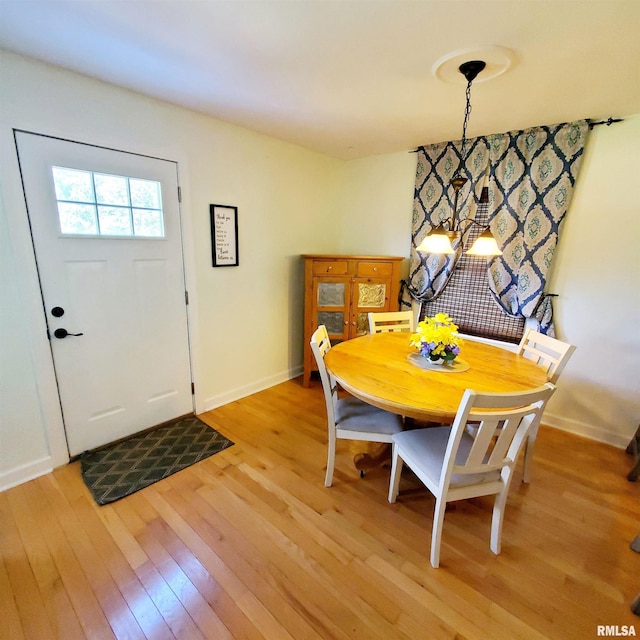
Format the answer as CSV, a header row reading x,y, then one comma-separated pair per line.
x,y
248,544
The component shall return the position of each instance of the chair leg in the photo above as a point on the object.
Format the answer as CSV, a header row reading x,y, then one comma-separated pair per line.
x,y
331,459
396,470
633,449
528,456
436,533
497,520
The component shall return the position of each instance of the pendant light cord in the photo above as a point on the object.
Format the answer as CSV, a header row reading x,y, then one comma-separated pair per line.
x,y
467,113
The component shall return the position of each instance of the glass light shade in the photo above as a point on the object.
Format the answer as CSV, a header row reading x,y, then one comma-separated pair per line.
x,y
436,242
485,245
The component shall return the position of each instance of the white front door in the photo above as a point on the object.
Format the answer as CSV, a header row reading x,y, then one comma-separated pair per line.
x,y
107,238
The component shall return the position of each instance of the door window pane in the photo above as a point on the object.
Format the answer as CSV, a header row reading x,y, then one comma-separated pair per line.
x,y
114,221
77,219
146,194
100,204
73,185
148,223
111,190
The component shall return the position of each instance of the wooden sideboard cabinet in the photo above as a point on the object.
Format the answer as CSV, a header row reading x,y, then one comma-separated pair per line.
x,y
339,293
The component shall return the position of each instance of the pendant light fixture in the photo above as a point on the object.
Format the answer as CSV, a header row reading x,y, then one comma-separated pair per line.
x,y
439,239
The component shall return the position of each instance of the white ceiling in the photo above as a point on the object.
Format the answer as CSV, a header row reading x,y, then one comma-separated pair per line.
x,y
349,78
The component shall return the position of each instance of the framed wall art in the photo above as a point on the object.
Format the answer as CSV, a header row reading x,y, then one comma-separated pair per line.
x,y
224,235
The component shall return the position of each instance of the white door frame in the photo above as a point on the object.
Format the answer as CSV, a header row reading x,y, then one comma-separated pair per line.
x,y
35,313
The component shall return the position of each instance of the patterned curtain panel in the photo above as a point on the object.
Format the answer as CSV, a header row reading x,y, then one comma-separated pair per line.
x,y
433,204
531,178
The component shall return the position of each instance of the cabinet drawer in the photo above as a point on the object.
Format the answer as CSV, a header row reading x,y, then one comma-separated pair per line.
x,y
375,268
330,268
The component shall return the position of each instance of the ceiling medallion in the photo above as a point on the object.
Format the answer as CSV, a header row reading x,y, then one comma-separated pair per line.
x,y
498,60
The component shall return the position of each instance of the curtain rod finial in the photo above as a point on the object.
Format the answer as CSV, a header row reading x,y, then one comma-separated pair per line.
x,y
609,121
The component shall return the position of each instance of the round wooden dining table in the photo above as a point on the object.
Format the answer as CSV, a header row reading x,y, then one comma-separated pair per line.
x,y
381,369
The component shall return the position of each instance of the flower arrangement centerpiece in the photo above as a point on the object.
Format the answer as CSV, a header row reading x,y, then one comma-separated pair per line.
x,y
437,339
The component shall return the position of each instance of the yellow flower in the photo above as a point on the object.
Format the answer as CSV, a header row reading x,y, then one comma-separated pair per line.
x,y
437,337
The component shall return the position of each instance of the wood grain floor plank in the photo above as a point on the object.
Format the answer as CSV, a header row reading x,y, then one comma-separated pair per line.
x,y
297,569
169,606
218,599
199,538
24,591
11,627
61,614
149,533
252,568
87,607
96,599
136,597
110,597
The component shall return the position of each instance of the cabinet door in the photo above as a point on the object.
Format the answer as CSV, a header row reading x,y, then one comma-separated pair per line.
x,y
332,296
369,294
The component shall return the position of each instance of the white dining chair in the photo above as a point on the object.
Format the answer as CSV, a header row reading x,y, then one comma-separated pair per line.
x,y
552,355
454,465
391,321
348,417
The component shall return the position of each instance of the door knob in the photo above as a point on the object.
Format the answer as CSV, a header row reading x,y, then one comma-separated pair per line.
x,y
63,333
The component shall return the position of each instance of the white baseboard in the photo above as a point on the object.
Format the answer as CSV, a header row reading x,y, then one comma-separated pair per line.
x,y
249,389
586,430
25,472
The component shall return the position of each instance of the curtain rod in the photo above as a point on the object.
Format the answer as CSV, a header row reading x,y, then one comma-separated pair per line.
x,y
609,121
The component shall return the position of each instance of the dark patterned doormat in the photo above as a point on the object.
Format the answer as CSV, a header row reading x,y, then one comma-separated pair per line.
x,y
133,464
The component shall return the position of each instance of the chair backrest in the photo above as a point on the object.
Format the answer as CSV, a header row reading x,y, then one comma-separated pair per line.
x,y
320,345
391,321
505,420
547,352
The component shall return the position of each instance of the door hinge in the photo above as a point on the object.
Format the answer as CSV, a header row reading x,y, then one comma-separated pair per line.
x,y
186,297
179,194
193,388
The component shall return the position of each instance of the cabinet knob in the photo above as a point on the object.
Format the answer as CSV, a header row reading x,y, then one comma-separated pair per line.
x,y
375,268
329,268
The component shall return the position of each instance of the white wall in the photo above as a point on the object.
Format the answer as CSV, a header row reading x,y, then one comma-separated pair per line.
x,y
596,275
246,321
376,203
